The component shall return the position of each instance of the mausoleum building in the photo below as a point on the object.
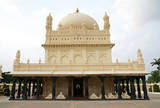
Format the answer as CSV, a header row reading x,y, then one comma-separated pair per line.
x,y
78,65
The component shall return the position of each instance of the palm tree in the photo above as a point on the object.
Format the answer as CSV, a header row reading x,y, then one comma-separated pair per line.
x,y
156,62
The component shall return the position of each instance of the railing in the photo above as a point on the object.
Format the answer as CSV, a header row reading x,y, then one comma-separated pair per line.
x,y
79,67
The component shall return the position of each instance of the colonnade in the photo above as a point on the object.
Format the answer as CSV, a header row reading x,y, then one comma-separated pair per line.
x,y
26,90
119,88
131,90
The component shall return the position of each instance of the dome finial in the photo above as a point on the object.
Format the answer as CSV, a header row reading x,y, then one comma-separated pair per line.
x,y
77,11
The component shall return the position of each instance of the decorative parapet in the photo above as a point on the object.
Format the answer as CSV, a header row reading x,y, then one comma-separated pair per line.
x,y
78,36
125,67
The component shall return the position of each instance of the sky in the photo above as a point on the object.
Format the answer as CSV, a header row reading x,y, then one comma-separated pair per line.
x,y
134,24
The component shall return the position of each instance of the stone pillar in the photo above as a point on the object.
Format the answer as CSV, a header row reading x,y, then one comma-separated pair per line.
x,y
41,87
133,96
138,88
127,87
38,88
123,87
70,87
119,87
102,86
116,86
13,89
144,87
29,88
33,88
19,88
25,88
53,87
86,87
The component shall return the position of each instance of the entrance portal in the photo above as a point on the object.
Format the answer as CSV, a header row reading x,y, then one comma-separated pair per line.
x,y
78,87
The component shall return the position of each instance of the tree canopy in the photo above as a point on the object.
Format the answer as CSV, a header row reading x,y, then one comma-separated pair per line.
x,y
154,78
156,62
6,78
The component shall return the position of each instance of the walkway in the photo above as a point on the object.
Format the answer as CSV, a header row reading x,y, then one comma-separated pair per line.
x,y
153,103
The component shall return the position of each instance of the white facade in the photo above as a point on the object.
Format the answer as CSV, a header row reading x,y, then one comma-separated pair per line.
x,y
78,63
78,47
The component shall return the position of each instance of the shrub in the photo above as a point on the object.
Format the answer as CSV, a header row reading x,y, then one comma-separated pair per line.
x,y
156,88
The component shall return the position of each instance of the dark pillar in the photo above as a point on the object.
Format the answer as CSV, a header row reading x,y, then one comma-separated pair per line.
x,y
13,89
116,86
19,88
123,87
41,87
25,88
119,87
144,88
86,87
29,88
53,87
133,96
33,88
102,86
127,87
38,88
70,87
138,88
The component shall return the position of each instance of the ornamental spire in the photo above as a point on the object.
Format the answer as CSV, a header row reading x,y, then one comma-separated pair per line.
x,y
17,60
139,56
106,22
77,11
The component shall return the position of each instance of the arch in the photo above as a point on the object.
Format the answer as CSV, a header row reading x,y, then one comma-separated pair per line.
x,y
53,59
94,86
109,85
91,59
78,59
62,86
103,59
64,59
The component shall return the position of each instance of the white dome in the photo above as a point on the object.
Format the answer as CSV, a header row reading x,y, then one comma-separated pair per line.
x,y
77,20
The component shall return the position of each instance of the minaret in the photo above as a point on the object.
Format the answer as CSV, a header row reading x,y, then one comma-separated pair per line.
x,y
139,56
17,60
106,22
49,24
48,27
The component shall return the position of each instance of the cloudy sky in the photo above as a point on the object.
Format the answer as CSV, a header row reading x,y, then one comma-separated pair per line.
x,y
134,24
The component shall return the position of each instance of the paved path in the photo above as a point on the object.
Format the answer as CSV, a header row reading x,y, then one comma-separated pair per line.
x,y
153,103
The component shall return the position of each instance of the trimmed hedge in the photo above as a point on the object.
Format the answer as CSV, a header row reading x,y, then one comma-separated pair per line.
x,y
156,88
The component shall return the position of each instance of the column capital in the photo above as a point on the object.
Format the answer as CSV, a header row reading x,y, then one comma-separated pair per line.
x,y
54,77
102,77
143,77
117,77
69,77
14,79
86,77
38,78
26,78
19,78
131,77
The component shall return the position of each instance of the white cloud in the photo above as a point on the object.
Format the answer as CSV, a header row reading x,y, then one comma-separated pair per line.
x,y
135,13
10,7
133,26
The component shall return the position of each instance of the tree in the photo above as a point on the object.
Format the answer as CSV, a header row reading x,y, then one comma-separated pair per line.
x,y
6,78
154,78
156,62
